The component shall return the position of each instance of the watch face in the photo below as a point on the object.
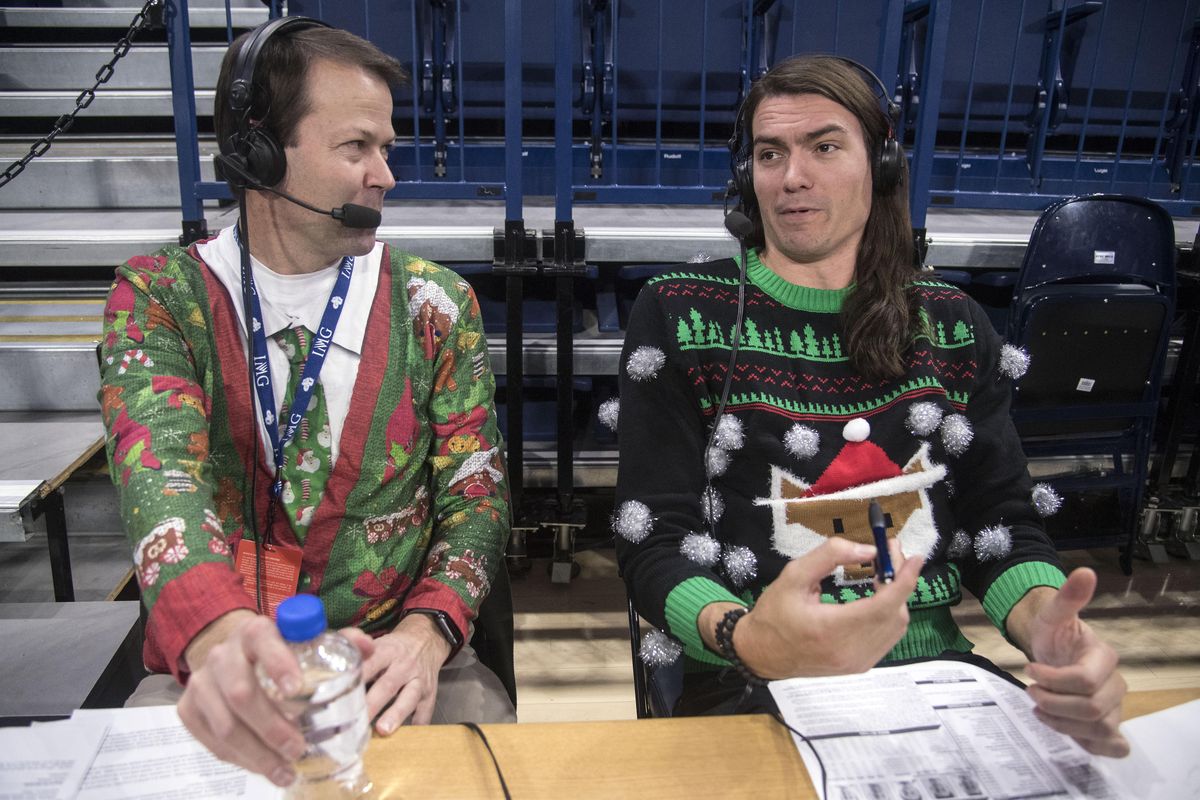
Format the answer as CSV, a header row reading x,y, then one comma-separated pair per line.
x,y
444,625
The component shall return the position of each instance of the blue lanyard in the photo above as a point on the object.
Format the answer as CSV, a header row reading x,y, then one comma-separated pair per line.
x,y
308,376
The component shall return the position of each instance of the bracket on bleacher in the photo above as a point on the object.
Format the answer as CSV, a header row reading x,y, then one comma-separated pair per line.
x,y
912,49
1181,128
599,21
193,231
438,30
563,250
760,27
514,249
1062,31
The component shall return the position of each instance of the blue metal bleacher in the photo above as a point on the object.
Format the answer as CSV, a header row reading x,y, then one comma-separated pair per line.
x,y
535,127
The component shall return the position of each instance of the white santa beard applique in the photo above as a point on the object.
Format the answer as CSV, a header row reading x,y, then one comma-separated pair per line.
x,y
802,521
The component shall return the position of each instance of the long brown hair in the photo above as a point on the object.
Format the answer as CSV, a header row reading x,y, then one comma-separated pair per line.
x,y
881,314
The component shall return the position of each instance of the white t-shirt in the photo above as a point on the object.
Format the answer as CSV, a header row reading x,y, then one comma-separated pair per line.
x,y
290,301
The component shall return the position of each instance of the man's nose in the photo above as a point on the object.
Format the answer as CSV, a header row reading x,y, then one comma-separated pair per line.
x,y
379,176
798,174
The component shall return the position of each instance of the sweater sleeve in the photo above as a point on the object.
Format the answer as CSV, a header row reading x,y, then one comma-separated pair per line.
x,y
156,413
660,480
993,493
471,520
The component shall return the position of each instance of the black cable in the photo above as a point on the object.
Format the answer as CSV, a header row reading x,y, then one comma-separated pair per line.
x,y
709,521
251,524
747,693
471,726
820,762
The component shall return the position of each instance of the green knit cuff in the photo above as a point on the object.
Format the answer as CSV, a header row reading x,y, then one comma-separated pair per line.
x,y
1013,584
683,610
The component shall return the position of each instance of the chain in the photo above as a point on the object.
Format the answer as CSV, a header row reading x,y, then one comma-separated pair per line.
x,y
144,19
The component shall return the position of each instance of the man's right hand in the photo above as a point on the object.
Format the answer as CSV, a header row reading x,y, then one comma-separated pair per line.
x,y
791,633
226,708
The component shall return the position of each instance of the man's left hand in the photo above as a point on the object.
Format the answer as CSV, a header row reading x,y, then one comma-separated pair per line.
x,y
404,668
1078,690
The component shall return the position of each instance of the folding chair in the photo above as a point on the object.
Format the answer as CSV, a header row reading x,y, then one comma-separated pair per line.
x,y
655,689
1093,305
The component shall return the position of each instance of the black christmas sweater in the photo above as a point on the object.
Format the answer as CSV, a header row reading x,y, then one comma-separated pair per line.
x,y
804,446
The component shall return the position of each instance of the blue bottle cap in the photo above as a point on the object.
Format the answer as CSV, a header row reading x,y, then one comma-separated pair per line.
x,y
301,618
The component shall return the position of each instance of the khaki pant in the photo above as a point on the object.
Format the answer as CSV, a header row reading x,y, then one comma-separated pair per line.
x,y
467,692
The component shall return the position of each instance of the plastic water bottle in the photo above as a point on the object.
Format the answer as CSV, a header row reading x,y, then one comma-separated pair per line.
x,y
332,705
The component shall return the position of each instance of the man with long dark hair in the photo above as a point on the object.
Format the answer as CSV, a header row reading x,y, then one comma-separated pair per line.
x,y
744,522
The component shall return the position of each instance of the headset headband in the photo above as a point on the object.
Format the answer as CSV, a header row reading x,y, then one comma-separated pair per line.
x,y
241,91
893,110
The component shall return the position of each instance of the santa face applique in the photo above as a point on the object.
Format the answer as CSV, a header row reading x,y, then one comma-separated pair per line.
x,y
804,515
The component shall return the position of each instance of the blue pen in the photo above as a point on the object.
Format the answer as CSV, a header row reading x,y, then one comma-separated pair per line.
x,y
883,559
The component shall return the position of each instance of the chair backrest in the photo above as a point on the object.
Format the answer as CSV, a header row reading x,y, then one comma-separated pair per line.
x,y
655,688
1095,358
1100,239
1093,304
493,637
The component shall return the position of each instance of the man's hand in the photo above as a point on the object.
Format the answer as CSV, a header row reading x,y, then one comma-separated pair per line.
x,y
404,668
791,633
1078,690
224,705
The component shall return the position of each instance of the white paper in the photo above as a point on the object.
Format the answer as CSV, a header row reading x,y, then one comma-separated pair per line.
x,y
1164,758
148,754
47,762
930,731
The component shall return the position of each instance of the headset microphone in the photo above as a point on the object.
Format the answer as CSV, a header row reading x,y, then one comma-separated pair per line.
x,y
351,215
739,225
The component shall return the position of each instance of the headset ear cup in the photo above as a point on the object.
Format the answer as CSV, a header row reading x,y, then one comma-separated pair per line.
x,y
743,178
890,166
264,157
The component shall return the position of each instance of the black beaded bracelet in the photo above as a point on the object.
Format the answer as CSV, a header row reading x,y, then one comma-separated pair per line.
x,y
724,636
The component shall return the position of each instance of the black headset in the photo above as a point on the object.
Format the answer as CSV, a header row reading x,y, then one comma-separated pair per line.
x,y
887,164
253,150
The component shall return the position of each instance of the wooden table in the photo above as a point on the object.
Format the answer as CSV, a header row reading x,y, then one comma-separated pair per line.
x,y
654,758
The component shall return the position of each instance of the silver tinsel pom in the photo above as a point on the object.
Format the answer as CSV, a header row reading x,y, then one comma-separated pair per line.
x,y
1014,361
718,461
711,505
645,362
658,649
994,542
731,434
701,548
960,545
924,418
608,413
957,434
741,565
802,441
700,258
633,520
1046,501
950,488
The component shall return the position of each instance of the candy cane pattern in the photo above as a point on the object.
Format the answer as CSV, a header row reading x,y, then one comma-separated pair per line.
x,y
131,356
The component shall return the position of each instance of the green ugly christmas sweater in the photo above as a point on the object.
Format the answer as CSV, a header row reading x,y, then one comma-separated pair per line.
x,y
415,512
806,444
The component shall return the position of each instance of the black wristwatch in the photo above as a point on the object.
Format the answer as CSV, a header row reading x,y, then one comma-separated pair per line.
x,y
444,624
